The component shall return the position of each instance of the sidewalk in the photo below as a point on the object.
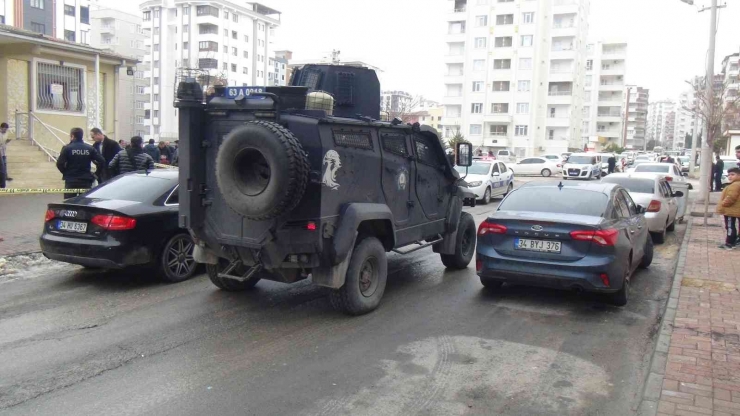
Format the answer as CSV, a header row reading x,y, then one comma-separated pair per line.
x,y
21,222
699,346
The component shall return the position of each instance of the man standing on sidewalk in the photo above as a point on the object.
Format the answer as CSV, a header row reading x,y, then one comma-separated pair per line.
x,y
729,206
719,170
132,159
74,163
4,140
106,147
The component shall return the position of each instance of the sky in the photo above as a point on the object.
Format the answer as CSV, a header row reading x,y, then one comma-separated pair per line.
x,y
667,39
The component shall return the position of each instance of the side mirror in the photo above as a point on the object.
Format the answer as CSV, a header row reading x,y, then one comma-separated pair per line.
x,y
496,174
678,194
464,154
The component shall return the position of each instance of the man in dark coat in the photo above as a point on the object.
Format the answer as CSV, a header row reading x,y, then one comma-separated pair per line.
x,y
74,163
131,159
719,170
165,153
612,162
152,150
108,148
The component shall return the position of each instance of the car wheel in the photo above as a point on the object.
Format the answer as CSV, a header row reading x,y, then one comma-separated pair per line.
x,y
491,284
622,296
176,261
464,246
659,237
546,173
509,189
230,285
487,196
672,227
365,281
647,256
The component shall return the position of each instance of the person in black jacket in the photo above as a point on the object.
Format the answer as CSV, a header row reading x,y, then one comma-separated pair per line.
x,y
131,159
108,148
152,150
719,170
74,163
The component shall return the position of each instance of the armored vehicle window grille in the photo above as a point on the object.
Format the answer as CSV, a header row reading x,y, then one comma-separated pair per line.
x,y
311,79
395,143
425,154
360,140
345,88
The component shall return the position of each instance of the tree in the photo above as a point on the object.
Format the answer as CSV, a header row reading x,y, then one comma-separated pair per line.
x,y
614,148
457,138
720,145
650,145
404,108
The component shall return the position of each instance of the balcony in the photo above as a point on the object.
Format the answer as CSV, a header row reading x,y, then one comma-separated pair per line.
x,y
611,133
497,118
147,90
562,53
455,58
608,118
613,70
155,121
147,122
559,97
156,105
207,19
614,54
564,29
453,100
109,29
496,141
611,86
560,75
558,121
459,11
155,89
565,6
147,105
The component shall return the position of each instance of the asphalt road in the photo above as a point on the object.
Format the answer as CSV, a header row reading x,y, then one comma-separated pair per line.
x,y
95,343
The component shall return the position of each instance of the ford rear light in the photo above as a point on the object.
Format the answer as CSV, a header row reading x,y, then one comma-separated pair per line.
x,y
114,222
491,228
654,206
50,215
606,237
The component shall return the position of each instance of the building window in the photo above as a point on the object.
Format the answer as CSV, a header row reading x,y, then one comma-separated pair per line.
x,y
37,4
480,43
503,42
156,81
500,86
226,33
226,49
523,86
498,130
479,65
589,65
206,11
233,67
526,40
481,20
186,11
246,38
156,13
226,15
246,54
156,31
525,63
234,51
207,63
527,18
156,47
69,10
208,29
185,28
500,108
476,108
505,19
476,129
147,16
520,130
522,108
477,86
156,64
502,64
38,27
2,20
59,88
139,105
234,35
69,35
185,46
235,17
225,66
245,71
140,89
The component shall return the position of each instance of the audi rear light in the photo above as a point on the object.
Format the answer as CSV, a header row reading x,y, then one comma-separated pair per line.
x,y
491,228
606,237
50,215
654,206
114,222
311,226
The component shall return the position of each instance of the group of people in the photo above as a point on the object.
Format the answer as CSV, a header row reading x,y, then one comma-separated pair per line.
x,y
729,203
109,158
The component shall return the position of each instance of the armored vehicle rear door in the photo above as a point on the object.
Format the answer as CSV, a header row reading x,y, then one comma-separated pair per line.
x,y
430,181
396,174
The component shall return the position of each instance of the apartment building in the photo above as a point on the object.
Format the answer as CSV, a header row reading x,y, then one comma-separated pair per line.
x,y
661,123
396,102
685,117
604,94
230,42
514,74
61,19
638,99
123,34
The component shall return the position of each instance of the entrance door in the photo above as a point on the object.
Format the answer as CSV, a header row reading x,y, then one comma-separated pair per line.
x,y
396,176
430,180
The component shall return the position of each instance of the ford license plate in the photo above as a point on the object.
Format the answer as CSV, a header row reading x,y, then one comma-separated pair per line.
x,y
543,246
75,227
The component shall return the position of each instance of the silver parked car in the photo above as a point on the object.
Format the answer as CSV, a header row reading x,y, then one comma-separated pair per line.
x,y
676,179
655,194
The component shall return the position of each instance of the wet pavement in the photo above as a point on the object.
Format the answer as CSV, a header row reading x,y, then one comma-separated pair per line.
x,y
84,342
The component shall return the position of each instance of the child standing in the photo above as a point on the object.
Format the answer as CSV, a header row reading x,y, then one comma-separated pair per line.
x,y
729,206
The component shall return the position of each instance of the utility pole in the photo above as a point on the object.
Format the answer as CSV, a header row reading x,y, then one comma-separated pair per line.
x,y
694,143
626,118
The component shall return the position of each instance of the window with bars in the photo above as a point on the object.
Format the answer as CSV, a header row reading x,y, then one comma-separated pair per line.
x,y
59,88
501,86
395,143
207,63
425,154
360,140
37,4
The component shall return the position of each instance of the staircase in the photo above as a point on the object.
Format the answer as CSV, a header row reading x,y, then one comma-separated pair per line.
x,y
30,167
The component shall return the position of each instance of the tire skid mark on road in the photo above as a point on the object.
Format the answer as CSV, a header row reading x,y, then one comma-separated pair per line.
x,y
437,381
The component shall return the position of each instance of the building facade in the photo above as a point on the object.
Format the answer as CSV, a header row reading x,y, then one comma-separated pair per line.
x,y
604,95
123,34
230,42
638,100
685,117
661,123
514,74
61,19
396,102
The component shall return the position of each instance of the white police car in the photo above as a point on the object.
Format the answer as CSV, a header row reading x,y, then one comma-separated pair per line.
x,y
488,178
582,166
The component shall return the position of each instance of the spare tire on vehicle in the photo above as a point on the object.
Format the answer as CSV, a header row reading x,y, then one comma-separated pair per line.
x,y
261,170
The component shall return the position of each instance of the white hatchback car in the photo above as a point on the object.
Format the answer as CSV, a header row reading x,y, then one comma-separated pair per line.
x,y
654,194
488,179
582,166
676,179
537,166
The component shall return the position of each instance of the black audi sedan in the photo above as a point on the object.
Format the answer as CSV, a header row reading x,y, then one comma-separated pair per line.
x,y
128,221
582,237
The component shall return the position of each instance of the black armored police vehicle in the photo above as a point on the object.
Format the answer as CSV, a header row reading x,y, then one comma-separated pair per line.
x,y
286,183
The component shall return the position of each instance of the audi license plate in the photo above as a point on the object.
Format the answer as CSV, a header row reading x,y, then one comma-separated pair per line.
x,y
75,227
537,245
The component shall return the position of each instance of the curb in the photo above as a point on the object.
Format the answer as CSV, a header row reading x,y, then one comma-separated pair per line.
x,y
653,384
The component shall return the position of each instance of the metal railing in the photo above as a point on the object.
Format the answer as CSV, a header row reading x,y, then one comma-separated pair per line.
x,y
559,93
